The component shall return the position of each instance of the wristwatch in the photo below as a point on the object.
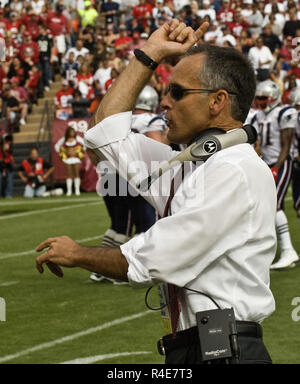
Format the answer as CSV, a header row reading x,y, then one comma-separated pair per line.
x,y
145,59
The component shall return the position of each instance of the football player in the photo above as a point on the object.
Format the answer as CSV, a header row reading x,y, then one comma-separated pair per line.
x,y
295,100
276,124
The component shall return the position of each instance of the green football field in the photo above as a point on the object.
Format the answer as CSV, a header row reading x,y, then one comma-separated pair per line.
x,y
73,320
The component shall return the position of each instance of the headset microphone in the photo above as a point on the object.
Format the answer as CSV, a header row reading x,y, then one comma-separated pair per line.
x,y
209,142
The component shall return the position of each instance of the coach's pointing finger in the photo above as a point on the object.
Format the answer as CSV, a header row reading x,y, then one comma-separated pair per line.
x,y
45,244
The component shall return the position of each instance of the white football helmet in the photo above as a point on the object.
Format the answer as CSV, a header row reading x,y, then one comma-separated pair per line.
x,y
147,100
295,96
267,95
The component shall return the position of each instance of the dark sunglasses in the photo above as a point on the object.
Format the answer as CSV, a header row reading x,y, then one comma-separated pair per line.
x,y
177,92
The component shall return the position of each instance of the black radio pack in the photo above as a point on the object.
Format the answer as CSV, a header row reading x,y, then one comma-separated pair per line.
x,y
217,334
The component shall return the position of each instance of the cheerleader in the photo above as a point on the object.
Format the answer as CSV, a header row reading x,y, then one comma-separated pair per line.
x,y
71,152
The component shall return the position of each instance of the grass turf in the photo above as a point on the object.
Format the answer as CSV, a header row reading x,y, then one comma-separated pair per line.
x,y
42,308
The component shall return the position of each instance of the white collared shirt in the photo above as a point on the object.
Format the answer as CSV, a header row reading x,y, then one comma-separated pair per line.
x,y
220,238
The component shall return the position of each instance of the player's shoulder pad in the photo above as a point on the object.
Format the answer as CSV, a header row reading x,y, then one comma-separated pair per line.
x,y
253,118
287,112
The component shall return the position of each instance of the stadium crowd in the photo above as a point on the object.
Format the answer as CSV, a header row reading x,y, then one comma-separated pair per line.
x,y
90,42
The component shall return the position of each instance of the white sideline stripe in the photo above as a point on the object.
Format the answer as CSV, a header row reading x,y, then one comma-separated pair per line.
x,y
8,283
9,255
94,359
46,201
65,339
16,215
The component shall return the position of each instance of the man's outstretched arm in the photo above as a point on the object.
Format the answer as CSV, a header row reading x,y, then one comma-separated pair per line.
x,y
63,251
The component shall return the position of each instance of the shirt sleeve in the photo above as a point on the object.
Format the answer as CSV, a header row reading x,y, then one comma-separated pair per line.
x,y
207,225
134,156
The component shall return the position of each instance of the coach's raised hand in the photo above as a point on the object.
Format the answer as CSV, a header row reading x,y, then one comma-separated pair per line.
x,y
171,39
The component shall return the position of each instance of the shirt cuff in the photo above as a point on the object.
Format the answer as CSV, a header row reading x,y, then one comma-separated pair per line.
x,y
138,275
113,128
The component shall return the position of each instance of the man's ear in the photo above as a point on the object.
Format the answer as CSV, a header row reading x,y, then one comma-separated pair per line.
x,y
218,102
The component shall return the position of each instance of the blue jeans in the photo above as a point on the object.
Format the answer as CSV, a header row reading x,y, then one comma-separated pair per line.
x,y
34,192
45,67
9,183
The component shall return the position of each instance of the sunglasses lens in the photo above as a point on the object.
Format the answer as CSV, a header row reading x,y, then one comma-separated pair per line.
x,y
176,92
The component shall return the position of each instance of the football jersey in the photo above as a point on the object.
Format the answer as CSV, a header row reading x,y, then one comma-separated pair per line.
x,y
70,71
250,116
147,122
269,125
296,141
62,97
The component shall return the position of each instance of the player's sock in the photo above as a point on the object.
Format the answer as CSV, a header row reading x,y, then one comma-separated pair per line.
x,y
107,242
69,183
77,186
120,239
111,239
283,232
108,239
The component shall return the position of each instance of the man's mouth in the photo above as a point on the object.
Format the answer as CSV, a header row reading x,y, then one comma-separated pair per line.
x,y
168,121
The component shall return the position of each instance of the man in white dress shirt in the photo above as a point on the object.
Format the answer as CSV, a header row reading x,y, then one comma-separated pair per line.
x,y
217,238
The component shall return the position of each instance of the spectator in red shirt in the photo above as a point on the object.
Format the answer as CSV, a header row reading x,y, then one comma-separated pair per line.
x,y
31,21
292,83
32,83
29,50
84,80
225,14
163,74
15,22
113,76
3,78
238,24
142,13
18,69
136,43
122,43
286,49
59,27
61,101
21,95
4,23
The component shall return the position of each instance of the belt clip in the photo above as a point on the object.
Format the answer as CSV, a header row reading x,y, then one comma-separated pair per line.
x,y
160,347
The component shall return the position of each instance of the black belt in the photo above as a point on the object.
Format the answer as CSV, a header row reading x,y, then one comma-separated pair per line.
x,y
190,336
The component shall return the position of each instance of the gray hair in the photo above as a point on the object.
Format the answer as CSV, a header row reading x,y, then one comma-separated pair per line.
x,y
228,69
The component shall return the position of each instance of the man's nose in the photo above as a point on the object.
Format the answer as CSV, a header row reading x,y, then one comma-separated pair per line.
x,y
166,102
